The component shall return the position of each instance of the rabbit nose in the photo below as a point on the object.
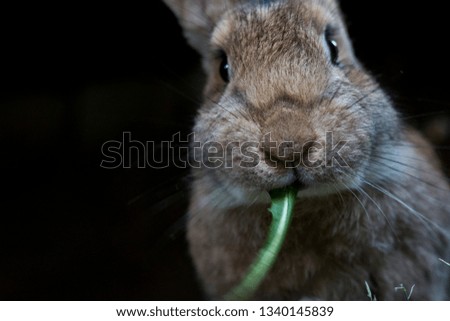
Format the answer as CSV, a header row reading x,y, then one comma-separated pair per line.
x,y
291,154
283,152
288,153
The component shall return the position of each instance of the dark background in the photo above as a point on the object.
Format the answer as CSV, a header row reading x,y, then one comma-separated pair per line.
x,y
75,76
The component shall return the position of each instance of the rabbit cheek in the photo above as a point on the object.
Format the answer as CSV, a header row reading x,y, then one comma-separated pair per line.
x,y
341,153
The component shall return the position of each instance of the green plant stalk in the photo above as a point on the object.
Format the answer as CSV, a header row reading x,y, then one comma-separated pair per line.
x,y
282,208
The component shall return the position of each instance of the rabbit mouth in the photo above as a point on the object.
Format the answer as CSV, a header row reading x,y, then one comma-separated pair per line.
x,y
299,184
235,188
313,184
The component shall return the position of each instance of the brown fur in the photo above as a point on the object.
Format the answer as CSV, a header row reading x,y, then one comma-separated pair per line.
x,y
355,224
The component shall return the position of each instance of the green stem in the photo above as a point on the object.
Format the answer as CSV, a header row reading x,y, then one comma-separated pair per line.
x,y
282,207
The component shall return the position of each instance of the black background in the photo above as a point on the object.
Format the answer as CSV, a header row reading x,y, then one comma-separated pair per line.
x,y
75,76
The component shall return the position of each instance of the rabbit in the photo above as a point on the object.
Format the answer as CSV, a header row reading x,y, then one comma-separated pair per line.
x,y
286,102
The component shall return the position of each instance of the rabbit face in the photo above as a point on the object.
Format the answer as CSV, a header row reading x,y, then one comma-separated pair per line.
x,y
287,102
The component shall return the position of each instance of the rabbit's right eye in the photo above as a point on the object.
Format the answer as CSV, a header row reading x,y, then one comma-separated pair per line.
x,y
224,68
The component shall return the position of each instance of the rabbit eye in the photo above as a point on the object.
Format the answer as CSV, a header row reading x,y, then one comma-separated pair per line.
x,y
332,46
224,68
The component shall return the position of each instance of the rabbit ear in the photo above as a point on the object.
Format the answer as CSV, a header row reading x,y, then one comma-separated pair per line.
x,y
198,18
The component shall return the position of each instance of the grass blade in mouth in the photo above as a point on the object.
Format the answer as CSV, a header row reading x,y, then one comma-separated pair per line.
x,y
282,208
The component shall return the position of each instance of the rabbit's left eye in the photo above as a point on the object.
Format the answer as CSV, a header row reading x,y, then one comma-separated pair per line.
x,y
332,46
